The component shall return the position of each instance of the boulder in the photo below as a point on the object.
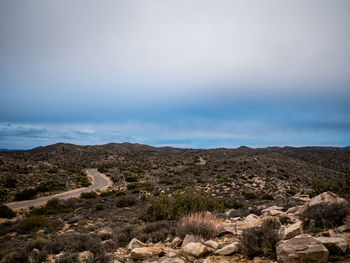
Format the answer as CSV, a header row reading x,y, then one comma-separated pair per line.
x,y
293,230
343,228
191,238
236,228
146,252
211,243
85,257
267,211
135,243
228,250
326,197
303,249
335,245
195,249
171,260
176,242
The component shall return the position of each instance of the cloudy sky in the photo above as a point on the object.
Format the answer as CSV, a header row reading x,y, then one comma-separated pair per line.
x,y
185,73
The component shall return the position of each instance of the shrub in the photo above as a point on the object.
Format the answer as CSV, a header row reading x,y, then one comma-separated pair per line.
x,y
55,206
158,231
319,187
173,207
123,235
125,200
324,215
10,183
89,195
120,193
131,178
107,193
26,194
250,195
3,194
32,223
99,207
203,224
47,186
267,197
261,240
6,212
78,242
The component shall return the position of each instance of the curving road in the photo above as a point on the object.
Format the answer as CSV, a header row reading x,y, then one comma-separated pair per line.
x,y
99,182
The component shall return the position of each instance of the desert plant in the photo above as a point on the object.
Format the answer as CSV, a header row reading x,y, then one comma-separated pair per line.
x,y
32,223
89,195
6,212
173,207
125,200
55,206
261,240
26,194
324,215
203,224
250,195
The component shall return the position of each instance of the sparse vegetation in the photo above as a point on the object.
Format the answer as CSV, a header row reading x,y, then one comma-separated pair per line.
x,y
179,204
261,240
125,201
89,195
26,194
203,224
324,216
32,223
6,212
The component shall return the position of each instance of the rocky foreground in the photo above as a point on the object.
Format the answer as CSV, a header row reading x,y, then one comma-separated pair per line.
x,y
296,244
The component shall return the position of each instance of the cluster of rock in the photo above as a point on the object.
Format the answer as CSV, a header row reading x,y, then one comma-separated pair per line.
x,y
295,245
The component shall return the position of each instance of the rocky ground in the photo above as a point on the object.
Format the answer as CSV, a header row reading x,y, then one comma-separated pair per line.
x,y
137,219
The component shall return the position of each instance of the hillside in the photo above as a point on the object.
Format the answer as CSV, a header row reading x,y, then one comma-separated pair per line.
x,y
153,187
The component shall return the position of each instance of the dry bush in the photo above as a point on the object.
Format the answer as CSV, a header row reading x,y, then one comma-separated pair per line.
x,y
261,240
324,216
203,224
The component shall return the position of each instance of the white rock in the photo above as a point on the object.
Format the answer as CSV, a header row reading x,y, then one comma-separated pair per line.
x,y
293,230
176,242
211,243
326,197
335,245
195,249
228,250
303,249
146,252
135,243
191,238
85,257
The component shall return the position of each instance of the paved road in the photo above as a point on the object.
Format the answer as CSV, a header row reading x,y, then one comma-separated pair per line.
x,y
99,181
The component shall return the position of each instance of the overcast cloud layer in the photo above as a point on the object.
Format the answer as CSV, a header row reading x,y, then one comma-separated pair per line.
x,y
182,73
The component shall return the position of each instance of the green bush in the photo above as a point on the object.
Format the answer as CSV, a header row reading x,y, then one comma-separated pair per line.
x,y
47,186
10,183
261,240
179,204
32,223
250,195
319,187
26,194
55,206
267,197
89,195
6,212
324,216
125,201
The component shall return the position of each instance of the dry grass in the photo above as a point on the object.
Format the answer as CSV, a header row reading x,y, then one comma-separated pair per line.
x,y
203,224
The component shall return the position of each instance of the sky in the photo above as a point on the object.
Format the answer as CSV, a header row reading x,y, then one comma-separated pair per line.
x,y
191,74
